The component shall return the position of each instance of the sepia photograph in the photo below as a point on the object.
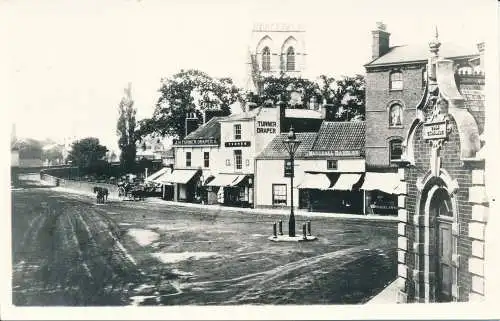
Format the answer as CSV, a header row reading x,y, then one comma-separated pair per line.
x,y
279,159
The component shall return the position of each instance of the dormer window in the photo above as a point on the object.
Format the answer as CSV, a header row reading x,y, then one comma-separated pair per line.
x,y
396,80
266,59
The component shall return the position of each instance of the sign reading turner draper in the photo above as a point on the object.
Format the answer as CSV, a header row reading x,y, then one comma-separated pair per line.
x,y
435,130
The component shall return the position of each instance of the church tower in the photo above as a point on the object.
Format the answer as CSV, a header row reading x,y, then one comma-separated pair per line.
x,y
277,49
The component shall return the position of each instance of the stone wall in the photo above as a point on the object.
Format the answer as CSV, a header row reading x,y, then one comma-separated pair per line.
x,y
471,210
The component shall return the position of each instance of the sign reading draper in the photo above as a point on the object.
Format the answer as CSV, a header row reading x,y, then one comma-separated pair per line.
x,y
266,127
435,130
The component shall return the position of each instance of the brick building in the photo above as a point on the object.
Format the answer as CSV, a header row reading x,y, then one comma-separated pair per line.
x,y
443,205
395,85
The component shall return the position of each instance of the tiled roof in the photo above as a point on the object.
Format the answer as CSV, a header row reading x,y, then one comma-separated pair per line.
x,y
276,149
340,136
411,53
211,129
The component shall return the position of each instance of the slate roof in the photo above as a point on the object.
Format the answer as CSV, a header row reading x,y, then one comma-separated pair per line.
x,y
276,149
414,53
340,136
211,129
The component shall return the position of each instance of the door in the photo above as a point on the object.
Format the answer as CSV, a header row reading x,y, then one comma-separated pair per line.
x,y
441,207
445,269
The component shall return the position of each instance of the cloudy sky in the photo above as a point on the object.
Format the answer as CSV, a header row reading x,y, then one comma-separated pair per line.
x,y
67,62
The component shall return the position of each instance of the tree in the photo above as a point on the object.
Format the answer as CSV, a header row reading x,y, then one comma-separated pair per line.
x,y
126,130
346,95
274,89
190,91
349,98
87,152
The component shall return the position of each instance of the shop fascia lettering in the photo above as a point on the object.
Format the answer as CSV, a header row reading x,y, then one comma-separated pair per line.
x,y
266,127
197,141
340,153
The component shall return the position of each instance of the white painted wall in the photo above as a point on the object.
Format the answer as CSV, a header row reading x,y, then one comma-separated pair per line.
x,y
271,172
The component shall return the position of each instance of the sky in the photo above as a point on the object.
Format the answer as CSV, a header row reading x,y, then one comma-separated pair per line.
x,y
67,62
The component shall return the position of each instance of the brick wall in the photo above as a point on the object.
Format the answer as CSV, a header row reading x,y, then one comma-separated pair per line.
x,y
457,169
378,99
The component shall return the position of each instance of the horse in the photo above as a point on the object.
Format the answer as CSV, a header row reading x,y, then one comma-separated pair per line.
x,y
101,194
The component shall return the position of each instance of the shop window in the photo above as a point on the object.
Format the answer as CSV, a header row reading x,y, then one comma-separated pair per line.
x,y
266,59
206,159
188,159
237,131
396,115
279,194
395,149
237,159
228,162
290,59
331,164
396,80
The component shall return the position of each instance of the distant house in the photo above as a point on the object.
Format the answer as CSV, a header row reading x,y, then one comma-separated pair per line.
x,y
26,153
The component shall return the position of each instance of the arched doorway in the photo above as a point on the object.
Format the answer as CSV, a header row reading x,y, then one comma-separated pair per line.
x,y
441,213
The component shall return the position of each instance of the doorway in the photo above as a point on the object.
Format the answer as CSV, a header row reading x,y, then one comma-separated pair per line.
x,y
441,210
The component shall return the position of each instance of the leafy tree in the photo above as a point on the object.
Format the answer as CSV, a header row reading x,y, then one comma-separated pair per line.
x,y
190,91
126,130
53,154
345,95
274,89
349,98
87,152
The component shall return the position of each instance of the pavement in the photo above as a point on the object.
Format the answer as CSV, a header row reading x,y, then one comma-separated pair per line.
x,y
270,211
387,296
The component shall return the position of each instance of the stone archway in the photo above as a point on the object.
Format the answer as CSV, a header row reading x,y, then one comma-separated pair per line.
x,y
439,244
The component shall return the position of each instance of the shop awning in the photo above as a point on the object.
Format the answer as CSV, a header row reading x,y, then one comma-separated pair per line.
x,y
180,176
164,178
157,174
385,182
346,182
315,181
226,180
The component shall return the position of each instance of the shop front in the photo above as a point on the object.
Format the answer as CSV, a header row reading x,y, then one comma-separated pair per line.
x,y
183,185
331,192
230,190
381,193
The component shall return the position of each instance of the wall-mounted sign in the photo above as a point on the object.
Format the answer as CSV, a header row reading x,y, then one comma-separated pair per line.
x,y
197,141
339,153
266,127
243,143
435,130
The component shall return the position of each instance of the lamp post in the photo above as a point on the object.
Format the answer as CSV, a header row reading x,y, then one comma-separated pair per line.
x,y
291,145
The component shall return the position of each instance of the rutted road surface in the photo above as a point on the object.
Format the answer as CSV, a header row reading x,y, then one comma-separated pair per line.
x,y
67,250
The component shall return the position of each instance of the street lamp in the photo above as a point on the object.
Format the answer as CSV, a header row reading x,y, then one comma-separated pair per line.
x,y
291,145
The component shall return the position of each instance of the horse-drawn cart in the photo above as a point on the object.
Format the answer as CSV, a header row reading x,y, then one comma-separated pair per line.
x,y
131,192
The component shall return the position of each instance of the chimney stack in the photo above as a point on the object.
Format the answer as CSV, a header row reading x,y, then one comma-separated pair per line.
x,y
191,123
380,41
